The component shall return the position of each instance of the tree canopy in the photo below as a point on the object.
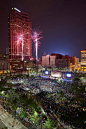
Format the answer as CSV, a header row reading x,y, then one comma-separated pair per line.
x,y
78,89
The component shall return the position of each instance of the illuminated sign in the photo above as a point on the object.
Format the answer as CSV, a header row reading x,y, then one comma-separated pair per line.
x,y
17,9
68,75
56,75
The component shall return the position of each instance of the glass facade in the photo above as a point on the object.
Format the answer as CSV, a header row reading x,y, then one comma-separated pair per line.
x,y
19,30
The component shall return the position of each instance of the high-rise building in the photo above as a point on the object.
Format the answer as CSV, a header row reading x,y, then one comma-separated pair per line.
x,y
19,29
83,60
7,50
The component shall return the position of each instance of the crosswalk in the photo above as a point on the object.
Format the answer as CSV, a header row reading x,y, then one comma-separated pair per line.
x,y
7,119
3,116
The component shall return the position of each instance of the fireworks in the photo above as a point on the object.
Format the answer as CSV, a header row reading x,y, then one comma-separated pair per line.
x,y
21,44
36,37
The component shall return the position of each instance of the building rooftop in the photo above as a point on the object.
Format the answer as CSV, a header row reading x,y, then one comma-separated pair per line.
x,y
83,50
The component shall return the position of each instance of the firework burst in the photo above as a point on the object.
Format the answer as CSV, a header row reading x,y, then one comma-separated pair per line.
x,y
36,37
21,44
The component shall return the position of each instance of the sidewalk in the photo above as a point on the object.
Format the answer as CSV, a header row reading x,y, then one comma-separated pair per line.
x,y
8,120
1,124
61,124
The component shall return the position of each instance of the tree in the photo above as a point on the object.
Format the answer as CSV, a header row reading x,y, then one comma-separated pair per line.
x,y
61,95
12,99
23,114
55,80
49,124
2,88
66,86
35,118
2,94
62,82
58,80
23,101
77,88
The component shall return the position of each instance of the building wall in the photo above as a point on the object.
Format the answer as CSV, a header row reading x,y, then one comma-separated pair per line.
x,y
83,60
75,60
1,55
52,61
7,50
58,56
4,65
62,63
19,29
30,64
43,61
16,65
46,61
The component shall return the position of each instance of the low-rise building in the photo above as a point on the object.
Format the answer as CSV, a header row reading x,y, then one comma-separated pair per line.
x,y
16,65
62,63
19,65
46,60
4,65
52,61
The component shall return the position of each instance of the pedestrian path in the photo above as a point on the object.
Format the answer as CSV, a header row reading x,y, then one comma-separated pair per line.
x,y
61,124
9,120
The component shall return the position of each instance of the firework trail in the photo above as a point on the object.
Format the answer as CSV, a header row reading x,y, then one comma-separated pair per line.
x,y
36,37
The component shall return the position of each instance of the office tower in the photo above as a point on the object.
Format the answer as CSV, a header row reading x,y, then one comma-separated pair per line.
x,y
19,30
7,50
83,60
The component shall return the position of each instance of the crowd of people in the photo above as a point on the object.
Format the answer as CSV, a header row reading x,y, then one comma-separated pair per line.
x,y
66,111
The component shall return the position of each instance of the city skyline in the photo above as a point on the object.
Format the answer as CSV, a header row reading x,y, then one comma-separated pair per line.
x,y
62,24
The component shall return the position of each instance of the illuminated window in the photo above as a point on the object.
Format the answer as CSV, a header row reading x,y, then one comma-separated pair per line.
x,y
84,69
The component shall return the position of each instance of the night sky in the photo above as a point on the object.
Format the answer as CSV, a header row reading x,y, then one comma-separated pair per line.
x,y
62,22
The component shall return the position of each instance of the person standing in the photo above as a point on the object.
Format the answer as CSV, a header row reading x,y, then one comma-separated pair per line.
x,y
13,124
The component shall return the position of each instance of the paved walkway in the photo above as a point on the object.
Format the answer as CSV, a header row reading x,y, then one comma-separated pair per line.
x,y
1,125
8,120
